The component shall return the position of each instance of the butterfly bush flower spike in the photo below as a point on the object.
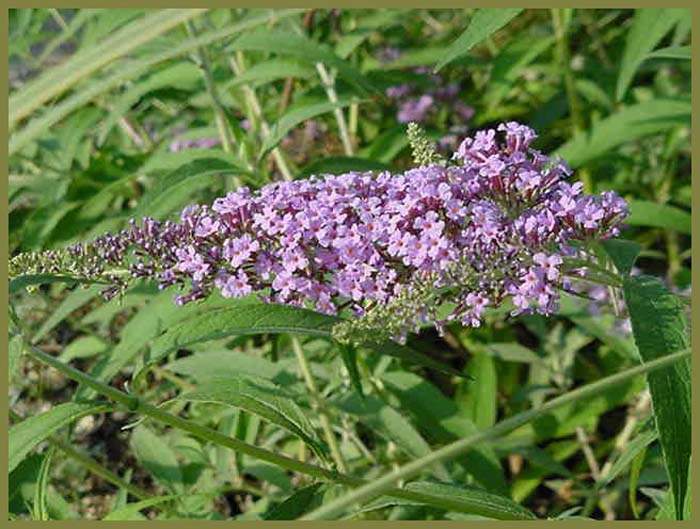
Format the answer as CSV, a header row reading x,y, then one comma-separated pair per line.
x,y
492,226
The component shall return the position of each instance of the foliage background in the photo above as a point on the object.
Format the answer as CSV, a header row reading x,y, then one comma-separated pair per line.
x,y
99,96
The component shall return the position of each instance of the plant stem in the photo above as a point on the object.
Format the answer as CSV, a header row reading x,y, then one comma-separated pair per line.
x,y
564,57
457,448
219,112
626,433
257,115
338,112
207,434
382,485
588,453
317,404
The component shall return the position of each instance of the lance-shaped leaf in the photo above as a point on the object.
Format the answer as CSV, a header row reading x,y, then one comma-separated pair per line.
x,y
660,328
24,436
250,317
263,398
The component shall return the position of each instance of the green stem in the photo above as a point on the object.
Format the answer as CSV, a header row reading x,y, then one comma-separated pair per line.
x,y
256,115
379,486
219,112
207,434
329,86
564,57
382,485
317,404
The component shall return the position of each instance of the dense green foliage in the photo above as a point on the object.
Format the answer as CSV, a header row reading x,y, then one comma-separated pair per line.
x,y
137,408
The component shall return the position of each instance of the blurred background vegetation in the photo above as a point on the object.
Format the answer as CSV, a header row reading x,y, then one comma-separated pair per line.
x,y
121,113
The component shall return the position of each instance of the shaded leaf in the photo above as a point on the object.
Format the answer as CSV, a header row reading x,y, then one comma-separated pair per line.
x,y
25,435
131,511
635,446
483,24
623,253
660,328
247,317
672,52
175,189
294,117
653,214
157,457
391,425
463,498
263,398
299,503
648,28
626,125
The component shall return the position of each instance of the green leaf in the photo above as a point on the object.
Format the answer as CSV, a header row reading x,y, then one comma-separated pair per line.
x,y
512,352
626,125
84,347
660,328
156,456
22,489
440,419
272,70
623,253
672,52
178,76
148,323
203,365
598,326
653,214
15,348
175,189
287,43
24,436
131,510
73,301
87,61
247,317
635,471
635,446
301,502
260,397
294,117
349,355
463,498
40,510
478,397
648,28
38,125
391,425
483,24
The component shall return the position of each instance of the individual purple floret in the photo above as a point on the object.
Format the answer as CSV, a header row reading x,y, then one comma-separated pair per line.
x,y
494,226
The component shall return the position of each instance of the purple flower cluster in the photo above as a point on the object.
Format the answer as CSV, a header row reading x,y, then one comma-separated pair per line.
x,y
493,226
419,106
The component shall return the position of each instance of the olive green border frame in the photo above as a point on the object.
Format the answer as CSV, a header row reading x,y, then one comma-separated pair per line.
x,y
693,5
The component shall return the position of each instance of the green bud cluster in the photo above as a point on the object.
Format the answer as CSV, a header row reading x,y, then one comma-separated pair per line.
x,y
422,148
